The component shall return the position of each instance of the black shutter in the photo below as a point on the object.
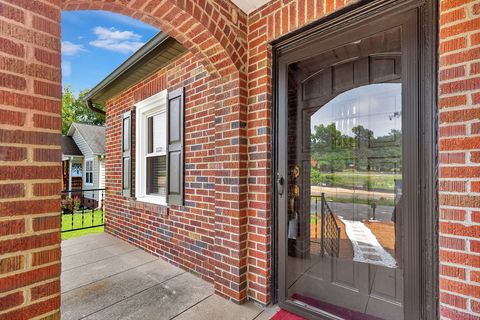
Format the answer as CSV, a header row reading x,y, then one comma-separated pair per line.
x,y
175,124
127,154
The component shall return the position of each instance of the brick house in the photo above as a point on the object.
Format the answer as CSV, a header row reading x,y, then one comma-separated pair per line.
x,y
321,154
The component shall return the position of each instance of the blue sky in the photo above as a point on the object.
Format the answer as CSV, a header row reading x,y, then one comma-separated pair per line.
x,y
94,43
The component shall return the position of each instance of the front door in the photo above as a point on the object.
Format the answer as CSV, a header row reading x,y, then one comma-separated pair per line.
x,y
348,174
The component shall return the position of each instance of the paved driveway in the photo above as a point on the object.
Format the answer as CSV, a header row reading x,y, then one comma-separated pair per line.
x,y
106,278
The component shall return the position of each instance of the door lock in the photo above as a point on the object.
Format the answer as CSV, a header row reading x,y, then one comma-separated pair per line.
x,y
280,183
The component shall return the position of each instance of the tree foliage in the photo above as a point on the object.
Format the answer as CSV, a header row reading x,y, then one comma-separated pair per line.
x,y
75,109
362,151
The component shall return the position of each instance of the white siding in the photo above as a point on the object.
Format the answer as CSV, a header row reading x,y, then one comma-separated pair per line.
x,y
101,182
96,178
98,168
82,145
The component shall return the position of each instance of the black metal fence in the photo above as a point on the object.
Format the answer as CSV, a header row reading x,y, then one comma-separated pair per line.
x,y
326,228
82,209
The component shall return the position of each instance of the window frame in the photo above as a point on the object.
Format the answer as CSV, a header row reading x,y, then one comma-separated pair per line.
x,y
87,160
154,105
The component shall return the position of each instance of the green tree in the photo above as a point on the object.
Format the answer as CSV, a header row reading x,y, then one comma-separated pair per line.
x,y
75,109
363,152
331,150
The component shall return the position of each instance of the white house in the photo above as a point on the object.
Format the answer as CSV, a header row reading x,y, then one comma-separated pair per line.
x,y
83,157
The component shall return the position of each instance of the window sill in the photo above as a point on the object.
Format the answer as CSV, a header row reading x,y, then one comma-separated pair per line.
x,y
152,200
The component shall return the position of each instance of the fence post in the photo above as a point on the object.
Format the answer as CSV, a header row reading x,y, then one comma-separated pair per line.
x,y
316,218
79,195
103,206
339,230
322,230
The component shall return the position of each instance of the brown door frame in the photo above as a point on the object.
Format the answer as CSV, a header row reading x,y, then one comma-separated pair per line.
x,y
422,300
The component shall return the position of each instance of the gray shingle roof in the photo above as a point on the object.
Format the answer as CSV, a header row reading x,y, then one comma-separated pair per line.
x,y
69,147
94,136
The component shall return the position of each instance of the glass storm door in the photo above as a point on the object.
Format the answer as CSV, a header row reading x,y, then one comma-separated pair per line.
x,y
348,173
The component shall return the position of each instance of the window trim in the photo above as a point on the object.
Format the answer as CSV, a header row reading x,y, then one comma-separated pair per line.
x,y
93,171
153,105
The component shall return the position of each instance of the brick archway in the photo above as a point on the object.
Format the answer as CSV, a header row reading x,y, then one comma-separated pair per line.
x,y
30,154
214,32
235,48
210,29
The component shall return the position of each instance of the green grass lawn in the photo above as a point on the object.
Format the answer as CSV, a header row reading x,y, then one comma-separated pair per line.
x,y
351,179
359,200
77,223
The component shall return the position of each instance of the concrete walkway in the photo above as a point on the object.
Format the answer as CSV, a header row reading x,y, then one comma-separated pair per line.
x,y
366,247
106,278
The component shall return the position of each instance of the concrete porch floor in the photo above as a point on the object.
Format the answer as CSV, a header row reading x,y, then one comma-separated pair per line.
x,y
106,278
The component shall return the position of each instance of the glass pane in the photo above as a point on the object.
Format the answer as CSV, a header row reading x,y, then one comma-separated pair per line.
x,y
157,175
345,181
150,135
157,133
126,134
126,173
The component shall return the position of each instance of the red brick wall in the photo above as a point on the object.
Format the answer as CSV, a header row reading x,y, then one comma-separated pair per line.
x,y
267,23
185,235
29,159
459,254
205,235
459,144
459,101
215,32
234,219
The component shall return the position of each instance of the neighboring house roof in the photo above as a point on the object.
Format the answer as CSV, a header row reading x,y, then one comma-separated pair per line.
x,y
155,54
93,135
69,147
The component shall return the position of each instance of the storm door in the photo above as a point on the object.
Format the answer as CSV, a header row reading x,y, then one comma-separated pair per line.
x,y
348,173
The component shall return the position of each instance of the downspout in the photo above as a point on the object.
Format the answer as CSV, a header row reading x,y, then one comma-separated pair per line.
x,y
93,108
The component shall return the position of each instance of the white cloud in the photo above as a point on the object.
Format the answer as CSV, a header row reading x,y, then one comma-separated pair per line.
x,y
116,40
118,19
66,69
70,49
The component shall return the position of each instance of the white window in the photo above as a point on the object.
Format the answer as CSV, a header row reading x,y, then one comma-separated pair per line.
x,y
89,171
151,149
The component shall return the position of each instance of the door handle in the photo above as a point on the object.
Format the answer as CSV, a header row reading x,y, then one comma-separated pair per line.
x,y
280,183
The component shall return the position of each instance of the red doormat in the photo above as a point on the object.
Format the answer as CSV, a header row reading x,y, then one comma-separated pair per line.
x,y
336,310
333,309
285,315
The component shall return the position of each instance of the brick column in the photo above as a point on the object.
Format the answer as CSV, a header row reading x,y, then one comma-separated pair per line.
x,y
30,155
231,190
459,105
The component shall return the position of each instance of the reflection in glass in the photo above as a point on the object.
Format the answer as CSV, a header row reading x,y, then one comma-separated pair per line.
x,y
344,215
356,167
